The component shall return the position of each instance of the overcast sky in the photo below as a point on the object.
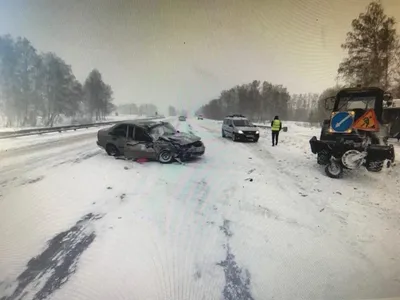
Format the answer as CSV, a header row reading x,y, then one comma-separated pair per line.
x,y
184,52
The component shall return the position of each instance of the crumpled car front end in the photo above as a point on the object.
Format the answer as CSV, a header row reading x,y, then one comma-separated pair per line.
x,y
188,151
184,146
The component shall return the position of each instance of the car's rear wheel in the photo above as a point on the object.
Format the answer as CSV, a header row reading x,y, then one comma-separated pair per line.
x,y
165,157
223,134
112,150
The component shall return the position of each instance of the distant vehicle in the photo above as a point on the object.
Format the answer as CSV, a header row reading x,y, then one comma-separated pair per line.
x,y
182,118
200,117
149,140
239,128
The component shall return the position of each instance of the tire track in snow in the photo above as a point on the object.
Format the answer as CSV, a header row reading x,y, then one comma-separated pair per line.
x,y
52,268
237,281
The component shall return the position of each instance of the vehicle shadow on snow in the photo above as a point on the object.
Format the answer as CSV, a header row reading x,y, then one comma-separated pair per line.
x,y
152,161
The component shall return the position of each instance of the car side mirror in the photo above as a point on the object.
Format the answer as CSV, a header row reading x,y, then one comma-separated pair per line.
x,y
230,125
177,131
330,103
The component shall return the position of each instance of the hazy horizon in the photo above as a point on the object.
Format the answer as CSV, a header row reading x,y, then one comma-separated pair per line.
x,y
185,54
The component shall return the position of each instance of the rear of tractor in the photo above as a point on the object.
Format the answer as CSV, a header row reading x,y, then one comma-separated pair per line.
x,y
355,135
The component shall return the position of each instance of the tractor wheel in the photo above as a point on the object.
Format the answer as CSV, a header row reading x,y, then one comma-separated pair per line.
x,y
334,170
375,166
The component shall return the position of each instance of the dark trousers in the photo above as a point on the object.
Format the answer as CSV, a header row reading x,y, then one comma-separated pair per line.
x,y
275,135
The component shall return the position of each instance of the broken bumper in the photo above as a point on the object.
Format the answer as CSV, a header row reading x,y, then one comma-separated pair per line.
x,y
192,152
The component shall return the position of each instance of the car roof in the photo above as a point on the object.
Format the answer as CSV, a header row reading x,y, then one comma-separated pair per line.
x,y
236,118
142,123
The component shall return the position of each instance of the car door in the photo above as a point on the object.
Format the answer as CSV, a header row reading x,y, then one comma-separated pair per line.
x,y
139,144
225,127
118,136
230,127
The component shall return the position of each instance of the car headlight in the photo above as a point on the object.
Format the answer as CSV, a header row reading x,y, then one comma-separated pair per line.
x,y
257,132
240,132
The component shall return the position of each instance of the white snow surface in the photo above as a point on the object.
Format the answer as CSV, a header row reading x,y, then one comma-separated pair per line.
x,y
296,233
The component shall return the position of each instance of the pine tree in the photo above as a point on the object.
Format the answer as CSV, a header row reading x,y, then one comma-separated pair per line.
x,y
371,46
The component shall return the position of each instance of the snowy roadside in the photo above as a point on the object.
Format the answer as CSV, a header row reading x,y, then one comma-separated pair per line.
x,y
245,220
356,216
68,121
27,141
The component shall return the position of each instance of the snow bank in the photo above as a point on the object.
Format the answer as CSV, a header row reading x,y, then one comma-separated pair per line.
x,y
26,141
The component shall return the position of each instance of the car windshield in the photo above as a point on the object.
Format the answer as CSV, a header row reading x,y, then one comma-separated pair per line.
x,y
162,130
241,123
350,103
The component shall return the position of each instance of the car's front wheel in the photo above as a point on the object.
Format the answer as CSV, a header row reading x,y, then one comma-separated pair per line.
x,y
165,157
234,137
112,150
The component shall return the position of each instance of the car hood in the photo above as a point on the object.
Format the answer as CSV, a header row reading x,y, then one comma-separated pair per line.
x,y
181,138
247,128
103,131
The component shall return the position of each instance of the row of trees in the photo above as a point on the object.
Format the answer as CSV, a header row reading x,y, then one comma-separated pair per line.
x,y
373,48
41,86
133,109
256,100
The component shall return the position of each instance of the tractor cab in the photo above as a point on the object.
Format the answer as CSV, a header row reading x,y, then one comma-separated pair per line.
x,y
357,102
356,134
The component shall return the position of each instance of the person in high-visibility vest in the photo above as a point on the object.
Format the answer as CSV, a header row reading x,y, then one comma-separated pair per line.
x,y
276,127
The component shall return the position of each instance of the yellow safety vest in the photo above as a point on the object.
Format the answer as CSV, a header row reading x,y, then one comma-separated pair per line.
x,y
276,125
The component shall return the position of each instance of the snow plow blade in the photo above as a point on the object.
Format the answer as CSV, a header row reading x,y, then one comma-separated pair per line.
x,y
317,146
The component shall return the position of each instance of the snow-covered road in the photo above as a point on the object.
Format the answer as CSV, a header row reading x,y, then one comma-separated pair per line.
x,y
246,221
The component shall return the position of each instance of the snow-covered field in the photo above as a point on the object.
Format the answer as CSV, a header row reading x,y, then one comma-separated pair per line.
x,y
246,221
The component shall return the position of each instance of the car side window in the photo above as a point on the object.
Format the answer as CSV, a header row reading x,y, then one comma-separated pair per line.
x,y
120,131
141,135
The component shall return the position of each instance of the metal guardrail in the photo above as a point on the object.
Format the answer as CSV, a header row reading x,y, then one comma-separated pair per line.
x,y
34,131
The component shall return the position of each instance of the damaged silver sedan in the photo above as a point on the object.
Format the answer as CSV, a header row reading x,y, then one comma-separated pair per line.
x,y
149,140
